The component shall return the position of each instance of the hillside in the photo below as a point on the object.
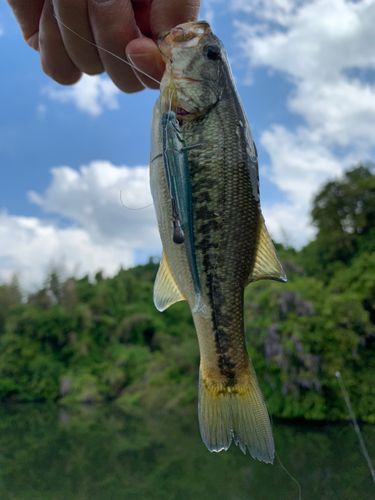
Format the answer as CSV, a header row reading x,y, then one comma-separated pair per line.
x,y
77,341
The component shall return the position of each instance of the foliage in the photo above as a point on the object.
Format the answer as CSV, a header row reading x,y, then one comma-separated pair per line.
x,y
344,214
304,335
81,341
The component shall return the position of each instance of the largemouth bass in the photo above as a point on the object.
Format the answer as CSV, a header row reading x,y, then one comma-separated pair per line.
x,y
227,245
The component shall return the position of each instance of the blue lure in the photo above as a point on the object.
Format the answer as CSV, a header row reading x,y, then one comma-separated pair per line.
x,y
176,167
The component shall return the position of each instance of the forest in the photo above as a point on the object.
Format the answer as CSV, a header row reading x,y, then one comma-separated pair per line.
x,y
88,341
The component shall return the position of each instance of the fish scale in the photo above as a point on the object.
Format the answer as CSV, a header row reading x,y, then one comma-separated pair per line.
x,y
221,185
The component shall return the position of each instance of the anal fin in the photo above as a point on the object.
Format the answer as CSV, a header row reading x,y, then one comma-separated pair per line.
x,y
266,263
166,291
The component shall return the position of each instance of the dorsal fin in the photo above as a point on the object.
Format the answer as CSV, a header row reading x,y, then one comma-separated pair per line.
x,y
266,264
166,291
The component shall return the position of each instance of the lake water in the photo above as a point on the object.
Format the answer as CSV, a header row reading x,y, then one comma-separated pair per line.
x,y
99,453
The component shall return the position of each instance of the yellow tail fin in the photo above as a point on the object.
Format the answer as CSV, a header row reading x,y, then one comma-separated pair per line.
x,y
237,413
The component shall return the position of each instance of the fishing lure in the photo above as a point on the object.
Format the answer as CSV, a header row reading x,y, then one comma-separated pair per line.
x,y
177,176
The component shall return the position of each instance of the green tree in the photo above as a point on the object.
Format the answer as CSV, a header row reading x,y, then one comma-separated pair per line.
x,y
344,214
10,296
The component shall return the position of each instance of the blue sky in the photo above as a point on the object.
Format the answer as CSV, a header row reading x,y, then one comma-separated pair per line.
x,y
305,72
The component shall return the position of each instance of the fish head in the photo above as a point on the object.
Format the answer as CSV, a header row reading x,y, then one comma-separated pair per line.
x,y
196,61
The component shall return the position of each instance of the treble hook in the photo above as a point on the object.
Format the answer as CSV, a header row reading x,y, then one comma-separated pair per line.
x,y
178,236
159,46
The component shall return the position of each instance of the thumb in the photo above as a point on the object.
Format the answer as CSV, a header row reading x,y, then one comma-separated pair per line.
x,y
166,14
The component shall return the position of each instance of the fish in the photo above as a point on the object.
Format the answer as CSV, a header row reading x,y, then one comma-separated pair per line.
x,y
199,123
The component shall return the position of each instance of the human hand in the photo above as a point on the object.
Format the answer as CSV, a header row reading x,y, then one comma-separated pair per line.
x,y
119,26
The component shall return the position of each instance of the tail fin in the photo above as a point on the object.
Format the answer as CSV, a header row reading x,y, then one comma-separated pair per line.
x,y
237,413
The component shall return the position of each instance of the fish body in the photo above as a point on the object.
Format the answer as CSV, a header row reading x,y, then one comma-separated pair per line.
x,y
231,246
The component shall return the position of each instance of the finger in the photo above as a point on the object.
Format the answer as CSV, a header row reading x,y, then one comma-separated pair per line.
x,y
142,9
113,26
74,14
145,55
166,14
28,16
54,58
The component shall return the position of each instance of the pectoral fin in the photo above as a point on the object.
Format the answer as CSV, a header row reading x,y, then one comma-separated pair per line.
x,y
266,265
166,291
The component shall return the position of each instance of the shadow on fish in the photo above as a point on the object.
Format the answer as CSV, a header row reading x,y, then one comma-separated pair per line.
x,y
205,187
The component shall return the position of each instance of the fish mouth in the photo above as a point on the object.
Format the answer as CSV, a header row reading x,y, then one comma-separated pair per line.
x,y
185,35
182,112
183,115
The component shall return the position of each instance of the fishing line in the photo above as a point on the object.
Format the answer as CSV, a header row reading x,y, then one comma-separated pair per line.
x,y
282,465
290,475
128,208
165,163
356,426
131,64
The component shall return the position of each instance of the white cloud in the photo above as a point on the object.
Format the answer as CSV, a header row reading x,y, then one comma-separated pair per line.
x,y
300,164
286,225
317,45
29,247
299,161
319,42
342,112
90,197
92,94
274,10
102,234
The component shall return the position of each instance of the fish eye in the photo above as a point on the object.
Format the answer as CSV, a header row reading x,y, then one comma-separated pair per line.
x,y
213,52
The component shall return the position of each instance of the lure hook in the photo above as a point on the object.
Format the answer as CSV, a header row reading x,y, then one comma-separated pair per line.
x,y
183,31
159,46
178,235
